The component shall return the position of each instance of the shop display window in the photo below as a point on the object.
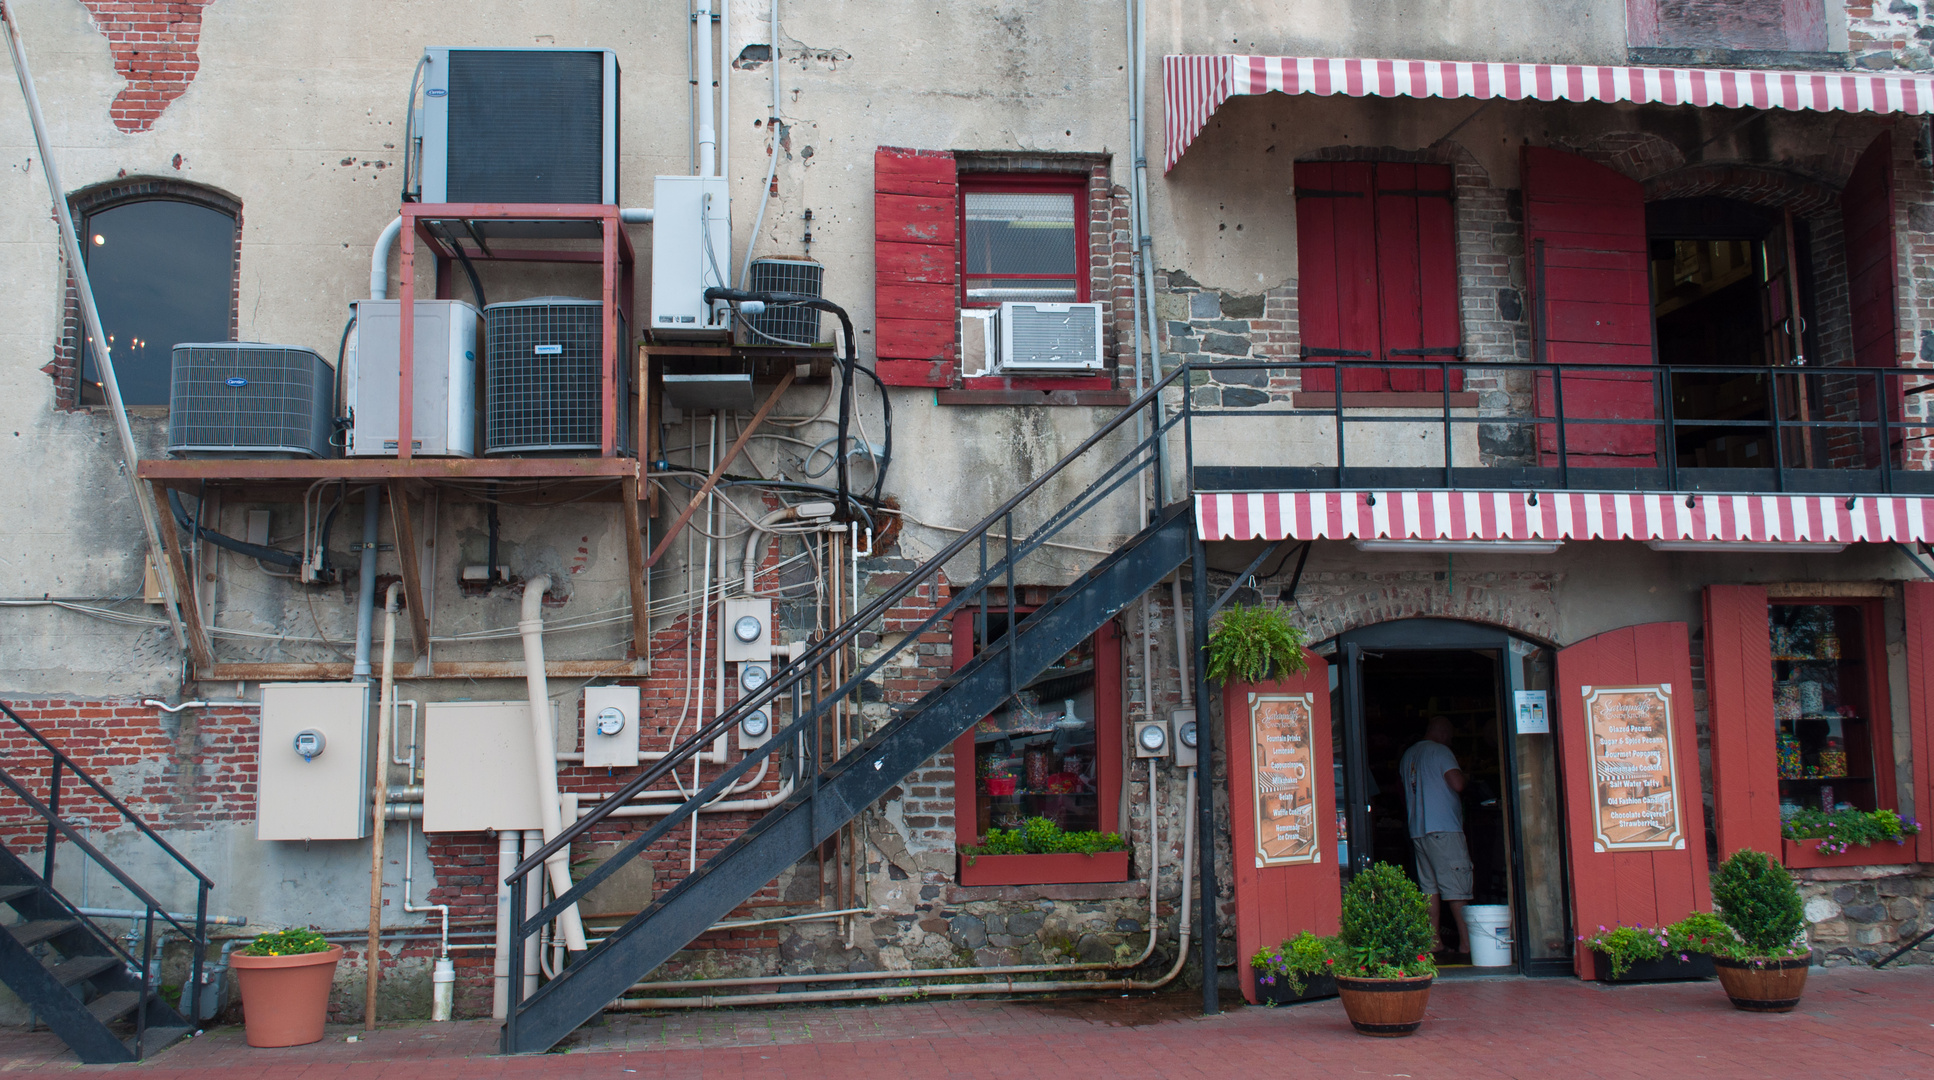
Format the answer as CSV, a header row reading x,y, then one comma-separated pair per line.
x,y
1830,706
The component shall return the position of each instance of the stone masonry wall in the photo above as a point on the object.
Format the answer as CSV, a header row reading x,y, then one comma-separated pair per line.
x,y
1856,915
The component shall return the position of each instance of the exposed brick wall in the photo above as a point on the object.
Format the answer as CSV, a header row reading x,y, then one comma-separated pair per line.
x,y
1884,34
65,368
154,44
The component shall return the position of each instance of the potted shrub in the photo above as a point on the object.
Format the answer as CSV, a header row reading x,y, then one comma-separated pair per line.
x,y
285,978
1653,953
1762,962
1300,970
1254,644
1383,966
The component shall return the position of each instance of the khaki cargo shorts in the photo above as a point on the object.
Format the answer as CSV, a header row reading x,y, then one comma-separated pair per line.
x,y
1443,865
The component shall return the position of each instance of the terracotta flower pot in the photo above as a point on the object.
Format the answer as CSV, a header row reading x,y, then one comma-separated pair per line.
x,y
285,999
1388,1008
1763,986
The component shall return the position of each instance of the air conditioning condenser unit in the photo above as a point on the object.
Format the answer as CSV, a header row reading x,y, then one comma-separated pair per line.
x,y
443,411
519,126
249,399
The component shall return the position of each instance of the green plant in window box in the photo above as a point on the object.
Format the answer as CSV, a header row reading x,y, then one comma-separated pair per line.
x,y
1254,644
1839,830
1041,836
295,942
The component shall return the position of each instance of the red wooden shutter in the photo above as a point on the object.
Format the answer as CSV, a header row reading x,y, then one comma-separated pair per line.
x,y
1646,888
1336,254
1592,304
1867,215
916,221
1739,712
1919,597
1417,273
1277,902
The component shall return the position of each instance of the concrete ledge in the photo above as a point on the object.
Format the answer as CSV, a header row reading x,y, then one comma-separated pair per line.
x,y
1112,890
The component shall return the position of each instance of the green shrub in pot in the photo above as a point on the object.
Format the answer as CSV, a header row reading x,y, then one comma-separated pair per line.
x,y
1385,928
1758,901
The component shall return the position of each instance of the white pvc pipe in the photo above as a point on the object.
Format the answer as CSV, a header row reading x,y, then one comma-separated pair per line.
x,y
635,215
500,969
708,136
533,903
379,259
544,751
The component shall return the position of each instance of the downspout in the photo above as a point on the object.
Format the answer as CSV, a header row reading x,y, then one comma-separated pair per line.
x,y
91,321
372,952
544,744
366,600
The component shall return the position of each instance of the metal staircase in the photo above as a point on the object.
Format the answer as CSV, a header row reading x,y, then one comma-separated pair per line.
x,y
827,795
99,998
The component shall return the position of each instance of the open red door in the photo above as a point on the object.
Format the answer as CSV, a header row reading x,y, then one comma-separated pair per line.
x,y
1630,758
1282,812
1591,300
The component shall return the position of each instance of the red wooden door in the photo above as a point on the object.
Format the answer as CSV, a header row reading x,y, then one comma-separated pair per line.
x,y
1336,231
1867,215
1277,899
1613,692
1591,300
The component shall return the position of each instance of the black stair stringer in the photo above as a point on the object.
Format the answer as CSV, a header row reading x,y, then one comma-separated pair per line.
x,y
789,831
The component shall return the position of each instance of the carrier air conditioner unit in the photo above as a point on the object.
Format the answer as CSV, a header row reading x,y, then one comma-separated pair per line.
x,y
1050,338
248,399
544,377
789,324
443,411
519,126
979,342
691,251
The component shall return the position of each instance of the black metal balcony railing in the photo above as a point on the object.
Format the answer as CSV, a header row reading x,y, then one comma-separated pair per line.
x,y
1591,427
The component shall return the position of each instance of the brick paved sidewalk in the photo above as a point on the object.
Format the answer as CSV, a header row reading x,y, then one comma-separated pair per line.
x,y
1853,1024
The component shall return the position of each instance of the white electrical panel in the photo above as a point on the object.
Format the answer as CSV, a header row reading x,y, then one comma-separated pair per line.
x,y
477,771
691,251
746,627
312,778
443,396
610,727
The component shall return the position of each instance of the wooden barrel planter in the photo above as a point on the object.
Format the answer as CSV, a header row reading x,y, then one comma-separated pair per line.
x,y
1763,986
1387,1008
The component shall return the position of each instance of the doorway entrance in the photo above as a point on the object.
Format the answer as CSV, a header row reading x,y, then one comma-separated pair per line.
x,y
1389,681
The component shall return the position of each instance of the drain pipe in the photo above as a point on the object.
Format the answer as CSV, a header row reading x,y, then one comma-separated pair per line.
x,y
708,137
533,903
544,746
372,954
379,259
91,323
366,600
500,968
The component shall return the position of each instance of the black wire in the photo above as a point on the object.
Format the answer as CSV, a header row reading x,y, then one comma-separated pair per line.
x,y
266,554
342,351
886,447
476,286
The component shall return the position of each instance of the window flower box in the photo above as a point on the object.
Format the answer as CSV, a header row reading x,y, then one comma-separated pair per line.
x,y
1806,855
1043,869
1668,968
1315,988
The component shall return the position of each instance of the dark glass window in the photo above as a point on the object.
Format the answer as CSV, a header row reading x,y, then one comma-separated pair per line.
x,y
163,272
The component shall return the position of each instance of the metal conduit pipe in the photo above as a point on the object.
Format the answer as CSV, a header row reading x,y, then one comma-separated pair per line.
x,y
178,916
378,817
366,599
544,753
167,708
1005,986
409,811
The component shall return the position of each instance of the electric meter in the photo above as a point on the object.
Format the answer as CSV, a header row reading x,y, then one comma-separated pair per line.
x,y
1186,737
752,677
611,720
747,628
754,729
1151,739
309,743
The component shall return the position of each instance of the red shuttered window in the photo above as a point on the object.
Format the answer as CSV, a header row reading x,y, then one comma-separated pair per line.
x,y
916,219
1377,277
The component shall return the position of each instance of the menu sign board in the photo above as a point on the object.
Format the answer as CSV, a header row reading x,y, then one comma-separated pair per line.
x,y
1635,791
1285,778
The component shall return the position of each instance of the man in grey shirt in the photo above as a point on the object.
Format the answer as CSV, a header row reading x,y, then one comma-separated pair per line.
x,y
1432,781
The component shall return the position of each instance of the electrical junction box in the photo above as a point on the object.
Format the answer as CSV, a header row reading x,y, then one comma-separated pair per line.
x,y
443,360
313,767
1182,723
1151,738
610,727
691,251
746,629
477,771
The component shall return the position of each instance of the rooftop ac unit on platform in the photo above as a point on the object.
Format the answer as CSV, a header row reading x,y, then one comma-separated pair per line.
x,y
443,413
1050,338
243,398
519,126
544,377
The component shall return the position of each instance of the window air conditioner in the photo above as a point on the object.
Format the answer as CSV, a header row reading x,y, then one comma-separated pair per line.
x,y
1049,338
979,342
519,126
246,399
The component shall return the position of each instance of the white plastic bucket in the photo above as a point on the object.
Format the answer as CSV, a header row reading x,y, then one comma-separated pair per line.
x,y
1490,926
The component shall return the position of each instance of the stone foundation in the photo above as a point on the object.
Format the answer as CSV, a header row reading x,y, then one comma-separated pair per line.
x,y
1858,914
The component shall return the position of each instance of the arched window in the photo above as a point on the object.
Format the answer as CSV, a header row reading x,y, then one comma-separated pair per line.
x,y
162,257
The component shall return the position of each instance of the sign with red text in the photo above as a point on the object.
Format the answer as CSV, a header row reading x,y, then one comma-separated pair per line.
x,y
1635,790
1285,778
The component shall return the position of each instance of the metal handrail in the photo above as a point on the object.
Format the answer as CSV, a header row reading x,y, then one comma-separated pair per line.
x,y
844,634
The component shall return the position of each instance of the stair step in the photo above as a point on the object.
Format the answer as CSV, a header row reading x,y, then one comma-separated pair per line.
x,y
10,893
39,930
111,1007
158,1039
69,972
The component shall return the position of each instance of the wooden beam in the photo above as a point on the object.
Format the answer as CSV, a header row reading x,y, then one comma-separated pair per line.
x,y
410,558
712,480
451,669
636,570
199,649
380,469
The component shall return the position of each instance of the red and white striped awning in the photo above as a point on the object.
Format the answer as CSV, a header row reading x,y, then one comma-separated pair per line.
x,y
1195,86
1509,515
